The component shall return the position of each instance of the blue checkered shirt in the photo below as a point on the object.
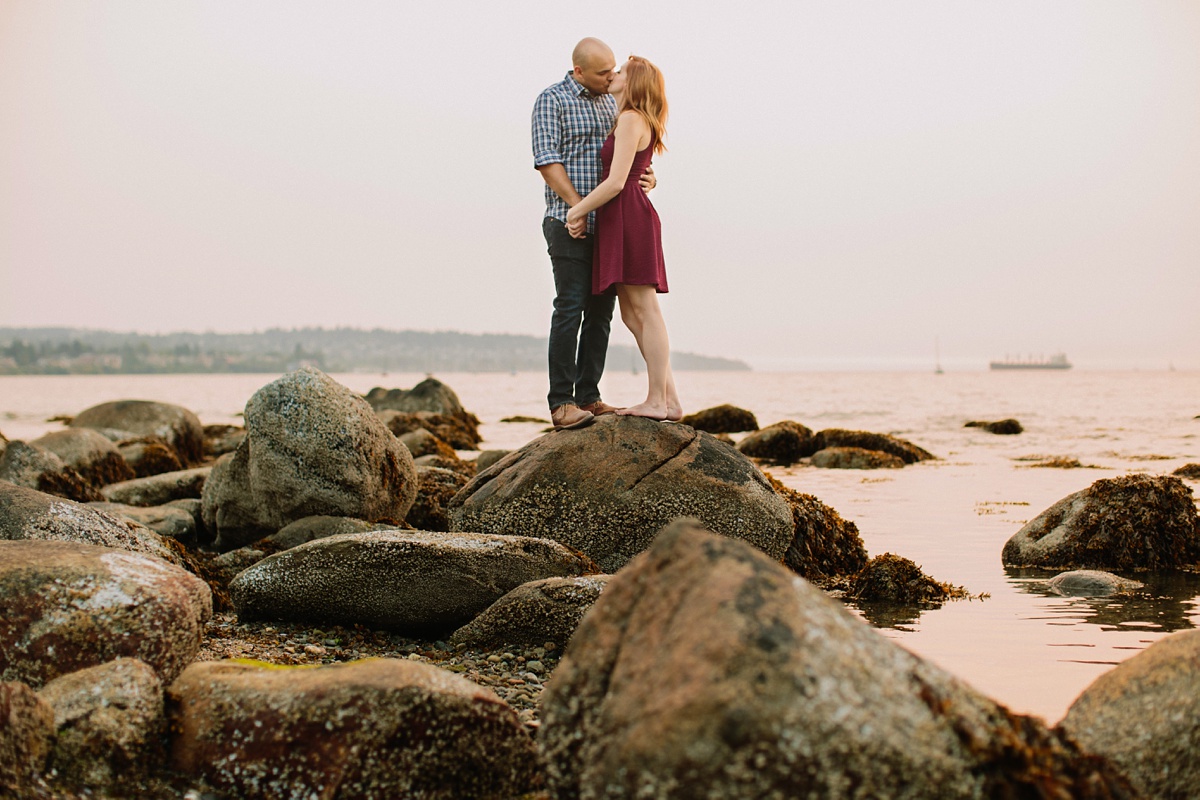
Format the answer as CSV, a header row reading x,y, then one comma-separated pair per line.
x,y
569,127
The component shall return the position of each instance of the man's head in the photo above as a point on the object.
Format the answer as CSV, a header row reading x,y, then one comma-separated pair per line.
x,y
594,65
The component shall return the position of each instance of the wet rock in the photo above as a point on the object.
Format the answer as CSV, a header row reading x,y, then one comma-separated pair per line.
x,y
824,545
706,669
30,514
607,489
70,606
783,443
1091,583
92,455
855,458
722,419
429,395
175,523
160,489
423,443
1127,523
548,610
436,487
175,425
148,456
222,439
108,721
312,447
489,457
894,579
885,443
457,465
460,431
34,468
1144,716
1189,471
374,728
26,734
1003,427
408,581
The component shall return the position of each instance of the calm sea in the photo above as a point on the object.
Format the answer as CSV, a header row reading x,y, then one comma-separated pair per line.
x,y
1022,645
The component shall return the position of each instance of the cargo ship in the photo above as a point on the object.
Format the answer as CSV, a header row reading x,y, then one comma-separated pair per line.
x,y
1058,361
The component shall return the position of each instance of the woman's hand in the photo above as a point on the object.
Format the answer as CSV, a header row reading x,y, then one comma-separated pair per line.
x,y
577,223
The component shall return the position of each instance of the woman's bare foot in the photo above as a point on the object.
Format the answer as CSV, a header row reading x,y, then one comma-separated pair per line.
x,y
647,410
674,412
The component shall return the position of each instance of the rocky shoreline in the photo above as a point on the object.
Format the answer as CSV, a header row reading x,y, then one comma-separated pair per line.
x,y
331,602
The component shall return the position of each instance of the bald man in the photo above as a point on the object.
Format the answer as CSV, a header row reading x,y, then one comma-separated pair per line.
x,y
570,122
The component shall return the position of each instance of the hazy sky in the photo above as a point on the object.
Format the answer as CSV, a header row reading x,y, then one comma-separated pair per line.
x,y
847,182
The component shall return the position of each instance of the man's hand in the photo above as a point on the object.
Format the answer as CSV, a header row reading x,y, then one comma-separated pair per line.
x,y
648,181
578,228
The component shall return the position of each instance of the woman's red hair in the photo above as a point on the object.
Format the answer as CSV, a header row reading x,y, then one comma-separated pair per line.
x,y
646,94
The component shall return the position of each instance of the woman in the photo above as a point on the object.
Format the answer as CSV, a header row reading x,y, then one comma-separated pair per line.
x,y
628,257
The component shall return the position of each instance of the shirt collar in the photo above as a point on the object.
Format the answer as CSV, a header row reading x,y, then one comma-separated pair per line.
x,y
578,89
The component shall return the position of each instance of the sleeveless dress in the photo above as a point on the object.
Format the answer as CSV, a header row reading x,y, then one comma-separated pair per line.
x,y
628,243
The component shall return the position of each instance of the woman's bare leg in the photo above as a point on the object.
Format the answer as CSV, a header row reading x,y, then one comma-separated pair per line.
x,y
643,317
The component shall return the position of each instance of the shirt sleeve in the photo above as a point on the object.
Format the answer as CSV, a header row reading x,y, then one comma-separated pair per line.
x,y
547,131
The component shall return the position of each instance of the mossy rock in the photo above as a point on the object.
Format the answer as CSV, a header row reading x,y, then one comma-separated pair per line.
x,y
722,419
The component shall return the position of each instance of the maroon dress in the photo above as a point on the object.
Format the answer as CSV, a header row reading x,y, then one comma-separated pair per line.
x,y
628,246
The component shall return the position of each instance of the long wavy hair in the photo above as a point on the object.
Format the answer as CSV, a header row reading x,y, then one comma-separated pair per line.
x,y
646,94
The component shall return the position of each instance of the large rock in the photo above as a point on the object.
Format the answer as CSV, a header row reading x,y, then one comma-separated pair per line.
x,y
312,447
855,458
722,419
1127,523
1091,583
109,722
149,455
548,610
607,489
429,395
784,443
705,669
423,443
437,488
825,545
1002,427
171,522
89,453
376,728
1144,715
26,735
70,606
127,419
222,439
160,489
30,514
459,431
885,443
412,581
34,468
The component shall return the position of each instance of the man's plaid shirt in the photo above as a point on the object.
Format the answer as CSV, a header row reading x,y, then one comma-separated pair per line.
x,y
569,127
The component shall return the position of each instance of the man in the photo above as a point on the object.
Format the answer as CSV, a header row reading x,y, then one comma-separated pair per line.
x,y
570,122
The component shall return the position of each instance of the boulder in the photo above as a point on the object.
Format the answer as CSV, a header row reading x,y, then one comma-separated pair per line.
x,y
429,395
1003,427
222,439
26,735
838,437
897,580
423,443
169,521
784,443
467,469
436,488
1144,716
175,425
1127,523
1189,471
148,456
460,431
418,582
312,447
160,489
1091,583
488,457
108,721
374,728
824,545
34,468
607,489
89,453
70,606
30,514
855,458
548,610
706,669
722,419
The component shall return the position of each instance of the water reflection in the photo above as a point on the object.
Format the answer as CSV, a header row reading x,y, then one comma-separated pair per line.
x,y
890,615
1163,604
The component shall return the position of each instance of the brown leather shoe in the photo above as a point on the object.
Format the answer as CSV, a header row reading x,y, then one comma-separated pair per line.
x,y
570,416
599,408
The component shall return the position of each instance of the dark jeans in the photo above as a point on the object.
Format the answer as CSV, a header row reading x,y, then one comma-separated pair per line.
x,y
580,325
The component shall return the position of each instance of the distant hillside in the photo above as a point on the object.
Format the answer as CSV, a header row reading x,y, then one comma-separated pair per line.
x,y
45,351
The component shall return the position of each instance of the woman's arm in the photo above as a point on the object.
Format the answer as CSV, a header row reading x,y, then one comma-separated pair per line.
x,y
631,130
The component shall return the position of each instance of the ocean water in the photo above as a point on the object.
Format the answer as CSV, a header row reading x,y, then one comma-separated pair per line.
x,y
1022,645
